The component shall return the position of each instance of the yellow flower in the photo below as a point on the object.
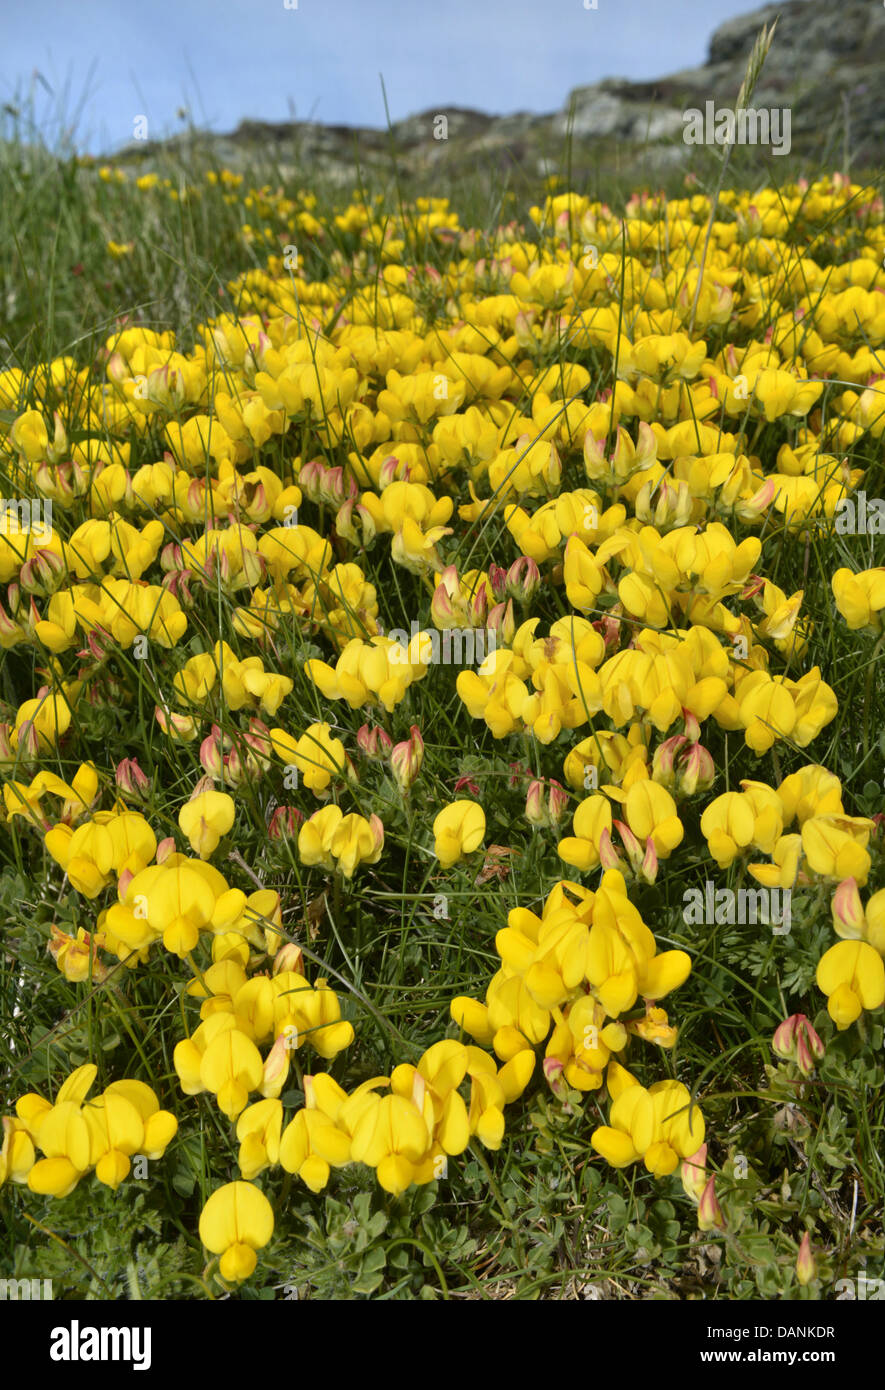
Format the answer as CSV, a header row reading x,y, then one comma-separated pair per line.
x,y
860,598
852,975
458,830
313,1144
236,1221
316,754
17,1156
661,1126
835,846
393,1138
258,1130
651,813
591,820
205,819
76,956
336,841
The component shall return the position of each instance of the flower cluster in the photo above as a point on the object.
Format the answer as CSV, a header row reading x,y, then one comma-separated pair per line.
x,y
600,461
76,1135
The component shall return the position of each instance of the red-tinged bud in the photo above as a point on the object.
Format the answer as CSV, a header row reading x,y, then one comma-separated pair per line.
x,y
812,1037
377,827
523,578
498,581
28,740
310,478
346,519
344,522
759,502
406,759
43,573
80,477
502,623
123,881
691,726
554,1076
132,781
796,1040
10,630
664,760
783,1043
289,957
442,612
693,1173
847,909
804,1059
116,368
178,585
710,1216
478,607
557,802
171,558
99,642
634,849
522,329
59,446
211,759
392,470
14,599
806,1266
164,849
258,740
648,869
467,784
697,771
54,481
236,770
196,493
608,855
284,823
535,810
173,723
374,743
7,754
31,618
332,490
310,1098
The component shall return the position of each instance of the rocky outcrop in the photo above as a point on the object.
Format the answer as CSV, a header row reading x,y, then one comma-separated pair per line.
x,y
827,65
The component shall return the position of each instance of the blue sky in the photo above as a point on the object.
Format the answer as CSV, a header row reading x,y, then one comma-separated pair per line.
x,y
109,61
